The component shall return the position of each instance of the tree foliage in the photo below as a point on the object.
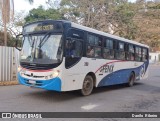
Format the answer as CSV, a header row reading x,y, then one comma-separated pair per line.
x,y
10,42
139,21
41,14
114,16
14,27
148,21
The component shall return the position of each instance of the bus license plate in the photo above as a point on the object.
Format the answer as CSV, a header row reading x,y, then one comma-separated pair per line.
x,y
32,82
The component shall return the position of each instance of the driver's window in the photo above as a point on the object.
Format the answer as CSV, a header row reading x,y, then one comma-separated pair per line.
x,y
73,48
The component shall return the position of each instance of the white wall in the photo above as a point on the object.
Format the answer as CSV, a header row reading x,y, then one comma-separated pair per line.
x,y
154,57
8,63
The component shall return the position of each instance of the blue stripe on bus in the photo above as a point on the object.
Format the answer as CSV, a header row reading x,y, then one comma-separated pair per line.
x,y
52,84
121,76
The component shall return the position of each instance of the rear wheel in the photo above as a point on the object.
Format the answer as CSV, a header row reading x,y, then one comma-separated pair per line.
x,y
131,80
87,86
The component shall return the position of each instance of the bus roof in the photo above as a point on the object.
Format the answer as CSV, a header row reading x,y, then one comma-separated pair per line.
x,y
106,34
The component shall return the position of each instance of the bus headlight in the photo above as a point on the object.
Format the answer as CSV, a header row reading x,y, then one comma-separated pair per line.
x,y
54,74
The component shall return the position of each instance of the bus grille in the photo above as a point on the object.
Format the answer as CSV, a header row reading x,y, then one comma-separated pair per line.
x,y
34,76
36,66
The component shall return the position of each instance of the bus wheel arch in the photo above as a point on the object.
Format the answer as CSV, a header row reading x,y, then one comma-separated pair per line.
x,y
88,84
93,77
131,79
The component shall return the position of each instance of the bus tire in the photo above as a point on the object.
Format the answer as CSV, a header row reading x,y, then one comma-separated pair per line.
x,y
131,80
87,86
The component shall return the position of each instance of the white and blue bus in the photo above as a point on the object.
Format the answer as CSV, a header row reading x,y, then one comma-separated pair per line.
x,y
63,56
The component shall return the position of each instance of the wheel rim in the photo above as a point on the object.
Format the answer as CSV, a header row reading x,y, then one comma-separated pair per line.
x,y
87,86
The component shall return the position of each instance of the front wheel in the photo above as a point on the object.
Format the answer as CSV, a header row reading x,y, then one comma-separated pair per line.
x,y
87,86
131,80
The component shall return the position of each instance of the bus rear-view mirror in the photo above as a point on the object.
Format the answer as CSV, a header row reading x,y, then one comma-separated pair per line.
x,y
18,44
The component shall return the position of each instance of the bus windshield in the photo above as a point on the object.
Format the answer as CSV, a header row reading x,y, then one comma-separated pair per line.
x,y
42,49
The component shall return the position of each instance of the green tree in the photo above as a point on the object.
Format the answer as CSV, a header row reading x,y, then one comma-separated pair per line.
x,y
41,14
125,14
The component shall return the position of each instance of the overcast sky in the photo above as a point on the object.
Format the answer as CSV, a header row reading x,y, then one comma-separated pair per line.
x,y
23,5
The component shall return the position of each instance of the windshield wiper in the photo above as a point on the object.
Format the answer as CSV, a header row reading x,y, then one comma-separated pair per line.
x,y
44,39
31,42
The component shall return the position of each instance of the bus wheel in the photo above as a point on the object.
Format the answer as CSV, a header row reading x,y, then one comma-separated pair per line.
x,y
131,80
87,86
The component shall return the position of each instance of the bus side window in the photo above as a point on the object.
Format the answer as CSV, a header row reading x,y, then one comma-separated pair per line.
x,y
98,47
78,48
91,40
120,51
90,51
108,51
131,52
98,41
138,54
68,47
98,52
144,54
94,45
90,45
73,48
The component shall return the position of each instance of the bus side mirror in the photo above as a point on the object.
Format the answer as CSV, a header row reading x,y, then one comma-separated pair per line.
x,y
18,44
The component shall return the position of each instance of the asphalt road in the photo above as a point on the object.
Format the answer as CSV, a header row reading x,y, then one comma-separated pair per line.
x,y
143,96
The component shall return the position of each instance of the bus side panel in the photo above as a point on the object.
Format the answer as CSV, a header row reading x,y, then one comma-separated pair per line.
x,y
73,77
121,75
71,82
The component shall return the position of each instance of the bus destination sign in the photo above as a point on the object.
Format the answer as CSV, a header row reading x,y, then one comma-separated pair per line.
x,y
43,28
40,27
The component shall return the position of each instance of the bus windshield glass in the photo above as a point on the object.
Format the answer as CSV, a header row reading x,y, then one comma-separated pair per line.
x,y
42,49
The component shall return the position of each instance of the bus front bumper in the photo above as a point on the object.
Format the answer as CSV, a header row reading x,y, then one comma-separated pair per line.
x,y
52,84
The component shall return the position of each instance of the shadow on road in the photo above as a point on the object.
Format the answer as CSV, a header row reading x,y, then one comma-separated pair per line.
x,y
53,96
